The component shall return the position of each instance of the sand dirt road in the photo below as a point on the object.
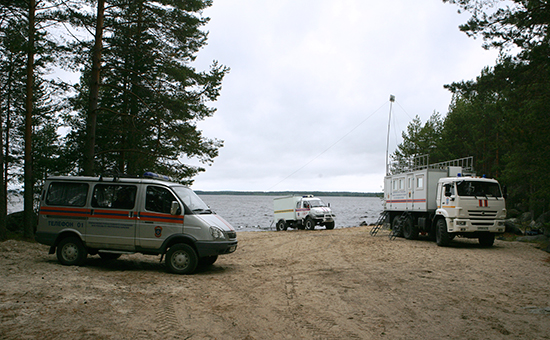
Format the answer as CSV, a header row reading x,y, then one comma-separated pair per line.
x,y
322,284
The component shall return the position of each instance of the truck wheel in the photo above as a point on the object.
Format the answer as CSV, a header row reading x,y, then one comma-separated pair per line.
x,y
410,231
181,259
281,225
329,225
396,228
310,224
487,240
71,251
442,237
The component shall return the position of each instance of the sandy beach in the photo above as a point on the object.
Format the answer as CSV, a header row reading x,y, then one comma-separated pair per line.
x,y
322,284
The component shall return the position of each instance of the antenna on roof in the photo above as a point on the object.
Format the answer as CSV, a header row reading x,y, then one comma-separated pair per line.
x,y
392,99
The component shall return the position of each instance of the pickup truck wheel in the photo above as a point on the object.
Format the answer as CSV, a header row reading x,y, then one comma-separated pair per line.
x,y
310,224
442,237
410,231
487,240
71,251
329,225
281,225
181,259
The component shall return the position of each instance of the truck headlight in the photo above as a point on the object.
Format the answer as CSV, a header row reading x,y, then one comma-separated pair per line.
x,y
217,233
460,223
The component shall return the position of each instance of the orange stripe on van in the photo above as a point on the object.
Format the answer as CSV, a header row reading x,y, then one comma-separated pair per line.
x,y
155,217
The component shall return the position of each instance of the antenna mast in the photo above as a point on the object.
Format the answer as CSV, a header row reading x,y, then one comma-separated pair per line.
x,y
392,99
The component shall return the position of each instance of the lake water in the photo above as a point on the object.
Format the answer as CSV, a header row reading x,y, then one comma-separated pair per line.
x,y
255,213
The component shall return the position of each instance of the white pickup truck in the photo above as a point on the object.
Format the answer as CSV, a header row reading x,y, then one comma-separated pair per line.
x,y
302,212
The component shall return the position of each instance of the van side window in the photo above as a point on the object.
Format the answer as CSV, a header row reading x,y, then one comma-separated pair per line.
x,y
67,194
159,199
114,196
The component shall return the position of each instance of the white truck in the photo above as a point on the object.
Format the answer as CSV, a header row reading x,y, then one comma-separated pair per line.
x,y
444,200
301,212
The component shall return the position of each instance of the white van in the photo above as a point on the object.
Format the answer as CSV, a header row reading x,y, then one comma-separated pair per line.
x,y
117,215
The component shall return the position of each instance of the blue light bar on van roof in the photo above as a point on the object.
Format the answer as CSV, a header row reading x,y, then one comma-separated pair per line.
x,y
149,174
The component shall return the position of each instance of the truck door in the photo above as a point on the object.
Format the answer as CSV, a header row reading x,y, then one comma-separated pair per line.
x,y
155,223
410,192
112,218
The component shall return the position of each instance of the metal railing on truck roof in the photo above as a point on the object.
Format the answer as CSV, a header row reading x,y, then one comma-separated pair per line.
x,y
422,162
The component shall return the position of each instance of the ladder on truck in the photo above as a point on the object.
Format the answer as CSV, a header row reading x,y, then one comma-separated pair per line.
x,y
397,229
379,223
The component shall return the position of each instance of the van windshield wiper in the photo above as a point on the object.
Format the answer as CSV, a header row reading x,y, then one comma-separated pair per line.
x,y
202,211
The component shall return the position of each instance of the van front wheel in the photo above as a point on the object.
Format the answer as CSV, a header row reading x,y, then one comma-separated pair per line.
x,y
181,259
71,251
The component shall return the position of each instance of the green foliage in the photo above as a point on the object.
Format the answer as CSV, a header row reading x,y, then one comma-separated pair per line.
x,y
151,98
502,117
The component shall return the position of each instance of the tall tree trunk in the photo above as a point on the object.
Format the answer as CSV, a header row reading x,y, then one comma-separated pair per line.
x,y
91,122
28,217
3,195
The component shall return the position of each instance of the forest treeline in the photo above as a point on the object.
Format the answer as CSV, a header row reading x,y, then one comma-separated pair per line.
x,y
293,193
137,102
138,99
502,118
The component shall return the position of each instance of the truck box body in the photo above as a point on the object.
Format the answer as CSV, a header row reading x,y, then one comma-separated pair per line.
x,y
437,199
412,191
286,207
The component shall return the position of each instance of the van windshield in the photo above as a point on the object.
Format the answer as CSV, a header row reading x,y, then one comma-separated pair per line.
x,y
316,203
191,200
478,189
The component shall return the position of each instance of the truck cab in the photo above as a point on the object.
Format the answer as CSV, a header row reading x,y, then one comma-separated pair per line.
x,y
473,207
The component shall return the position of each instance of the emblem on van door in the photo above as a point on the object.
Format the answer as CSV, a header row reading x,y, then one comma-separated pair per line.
x,y
158,231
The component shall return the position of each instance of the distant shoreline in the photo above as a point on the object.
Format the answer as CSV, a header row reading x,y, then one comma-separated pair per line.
x,y
290,193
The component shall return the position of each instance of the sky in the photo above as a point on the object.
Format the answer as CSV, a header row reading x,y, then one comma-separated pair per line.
x,y
306,104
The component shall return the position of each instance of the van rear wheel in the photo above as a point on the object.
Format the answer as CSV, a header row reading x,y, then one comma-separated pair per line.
x,y
181,259
71,251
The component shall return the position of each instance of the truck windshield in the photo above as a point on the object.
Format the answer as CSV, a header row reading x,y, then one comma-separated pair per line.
x,y
478,189
191,200
316,203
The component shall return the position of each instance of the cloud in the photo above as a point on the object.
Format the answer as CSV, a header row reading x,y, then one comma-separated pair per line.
x,y
305,106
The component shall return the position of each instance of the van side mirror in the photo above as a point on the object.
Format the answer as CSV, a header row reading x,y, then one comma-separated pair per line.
x,y
174,208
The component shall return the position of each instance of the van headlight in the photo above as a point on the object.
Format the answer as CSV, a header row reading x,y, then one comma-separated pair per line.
x,y
217,233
